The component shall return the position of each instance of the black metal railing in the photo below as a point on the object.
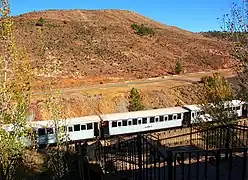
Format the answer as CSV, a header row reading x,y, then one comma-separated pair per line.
x,y
231,136
221,164
138,158
214,153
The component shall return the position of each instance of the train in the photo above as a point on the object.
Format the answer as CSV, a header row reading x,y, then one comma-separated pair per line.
x,y
116,124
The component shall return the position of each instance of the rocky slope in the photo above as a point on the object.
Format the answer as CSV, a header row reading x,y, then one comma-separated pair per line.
x,y
82,46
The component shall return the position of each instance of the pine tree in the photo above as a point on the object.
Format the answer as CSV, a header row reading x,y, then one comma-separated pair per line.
x,y
135,102
178,68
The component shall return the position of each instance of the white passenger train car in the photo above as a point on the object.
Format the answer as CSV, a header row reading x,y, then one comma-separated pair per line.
x,y
75,129
141,121
86,127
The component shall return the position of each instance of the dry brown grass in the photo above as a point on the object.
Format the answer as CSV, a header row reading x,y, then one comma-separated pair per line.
x,y
99,45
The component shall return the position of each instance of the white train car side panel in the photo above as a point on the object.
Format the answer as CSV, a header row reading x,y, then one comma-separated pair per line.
x,y
140,121
81,128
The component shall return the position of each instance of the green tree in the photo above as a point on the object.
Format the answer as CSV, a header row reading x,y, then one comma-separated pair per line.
x,y
216,92
135,102
15,80
216,89
178,67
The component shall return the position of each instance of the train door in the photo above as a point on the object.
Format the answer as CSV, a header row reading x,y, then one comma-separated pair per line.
x,y
186,119
244,110
104,129
96,129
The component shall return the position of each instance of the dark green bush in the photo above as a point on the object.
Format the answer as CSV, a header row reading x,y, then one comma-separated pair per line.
x,y
178,68
40,22
142,29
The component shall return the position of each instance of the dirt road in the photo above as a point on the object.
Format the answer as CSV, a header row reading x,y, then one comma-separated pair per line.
x,y
169,81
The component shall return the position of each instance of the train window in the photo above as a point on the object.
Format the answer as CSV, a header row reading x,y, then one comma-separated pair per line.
x,y
89,126
174,117
165,118
41,132
161,118
170,117
49,131
179,116
83,127
134,121
156,119
198,113
152,120
114,124
139,121
238,108
129,123
193,114
144,120
77,127
70,129
124,123
119,123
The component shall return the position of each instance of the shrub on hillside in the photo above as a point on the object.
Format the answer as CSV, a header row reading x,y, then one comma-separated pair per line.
x,y
40,22
142,29
178,68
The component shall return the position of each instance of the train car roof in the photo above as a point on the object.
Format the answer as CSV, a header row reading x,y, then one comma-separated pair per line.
x,y
193,107
114,116
87,119
75,120
144,113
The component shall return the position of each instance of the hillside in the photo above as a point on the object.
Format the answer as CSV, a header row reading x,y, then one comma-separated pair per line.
x,y
96,46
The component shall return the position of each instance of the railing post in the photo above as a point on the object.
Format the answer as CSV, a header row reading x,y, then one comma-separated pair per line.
x,y
169,164
104,152
244,170
190,135
139,149
207,140
227,144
